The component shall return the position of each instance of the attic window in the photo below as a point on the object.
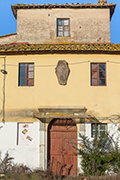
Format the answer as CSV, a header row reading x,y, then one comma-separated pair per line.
x,y
63,27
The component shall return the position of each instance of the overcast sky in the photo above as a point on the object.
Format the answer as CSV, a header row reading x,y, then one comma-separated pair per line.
x,y
8,22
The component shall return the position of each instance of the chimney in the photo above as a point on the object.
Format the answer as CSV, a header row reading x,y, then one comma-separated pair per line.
x,y
102,1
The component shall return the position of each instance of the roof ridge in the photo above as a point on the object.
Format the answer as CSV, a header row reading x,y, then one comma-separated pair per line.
x,y
61,4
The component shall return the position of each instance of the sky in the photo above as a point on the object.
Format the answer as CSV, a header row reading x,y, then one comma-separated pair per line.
x,y
8,22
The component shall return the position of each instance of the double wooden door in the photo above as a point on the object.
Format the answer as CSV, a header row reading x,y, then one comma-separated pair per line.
x,y
62,143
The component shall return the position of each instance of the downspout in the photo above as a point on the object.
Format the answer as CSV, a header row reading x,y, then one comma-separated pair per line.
x,y
4,73
44,145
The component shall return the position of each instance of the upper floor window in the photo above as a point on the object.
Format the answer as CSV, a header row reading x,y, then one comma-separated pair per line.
x,y
101,128
63,27
98,74
26,74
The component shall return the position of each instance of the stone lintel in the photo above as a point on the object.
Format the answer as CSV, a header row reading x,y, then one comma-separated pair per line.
x,y
62,108
61,112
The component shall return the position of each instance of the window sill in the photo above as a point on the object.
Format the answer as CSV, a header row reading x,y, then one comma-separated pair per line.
x,y
26,86
63,37
98,85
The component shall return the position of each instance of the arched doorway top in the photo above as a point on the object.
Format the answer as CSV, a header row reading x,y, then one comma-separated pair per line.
x,y
62,125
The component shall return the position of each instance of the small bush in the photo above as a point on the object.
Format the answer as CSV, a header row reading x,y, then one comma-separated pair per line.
x,y
99,155
6,165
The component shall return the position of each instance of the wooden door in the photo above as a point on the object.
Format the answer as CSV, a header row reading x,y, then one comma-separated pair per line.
x,y
62,136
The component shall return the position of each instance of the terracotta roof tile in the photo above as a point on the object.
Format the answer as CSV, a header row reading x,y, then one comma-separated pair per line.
x,y
26,48
15,7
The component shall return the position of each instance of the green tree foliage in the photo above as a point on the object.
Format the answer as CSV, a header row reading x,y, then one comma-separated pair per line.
x,y
99,154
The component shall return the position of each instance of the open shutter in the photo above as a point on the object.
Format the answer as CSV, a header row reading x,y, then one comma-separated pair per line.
x,y
30,76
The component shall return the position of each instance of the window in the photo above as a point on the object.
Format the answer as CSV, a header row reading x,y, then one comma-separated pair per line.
x,y
101,128
98,74
63,27
26,74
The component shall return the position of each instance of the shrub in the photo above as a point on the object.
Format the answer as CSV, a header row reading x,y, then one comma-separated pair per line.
x,y
6,165
99,154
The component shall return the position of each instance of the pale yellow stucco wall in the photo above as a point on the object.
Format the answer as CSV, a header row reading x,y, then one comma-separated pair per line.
x,y
99,101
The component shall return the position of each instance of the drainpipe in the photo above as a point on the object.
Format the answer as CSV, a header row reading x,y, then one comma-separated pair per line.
x,y
4,73
44,145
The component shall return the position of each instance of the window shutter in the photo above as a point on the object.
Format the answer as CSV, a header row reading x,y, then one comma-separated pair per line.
x,y
114,132
30,76
88,129
94,75
22,74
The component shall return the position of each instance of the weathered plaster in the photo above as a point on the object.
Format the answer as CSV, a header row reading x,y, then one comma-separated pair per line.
x,y
8,39
40,26
27,155
86,25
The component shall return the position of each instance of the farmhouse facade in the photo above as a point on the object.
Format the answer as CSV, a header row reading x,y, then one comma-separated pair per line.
x,y
59,77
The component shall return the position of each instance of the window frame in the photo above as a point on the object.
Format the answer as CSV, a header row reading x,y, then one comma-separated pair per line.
x,y
26,74
98,71
63,27
98,125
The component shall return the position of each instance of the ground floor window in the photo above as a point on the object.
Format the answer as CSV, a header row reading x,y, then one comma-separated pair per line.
x,y
101,128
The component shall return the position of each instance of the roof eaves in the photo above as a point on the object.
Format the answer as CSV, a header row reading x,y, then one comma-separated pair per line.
x,y
26,48
6,35
15,7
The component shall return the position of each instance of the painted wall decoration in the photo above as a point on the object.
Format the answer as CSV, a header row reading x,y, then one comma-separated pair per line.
x,y
81,146
62,71
25,133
